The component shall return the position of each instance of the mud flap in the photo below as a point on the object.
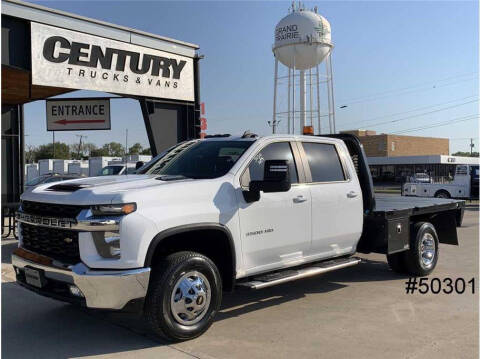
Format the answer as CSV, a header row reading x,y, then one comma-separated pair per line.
x,y
446,226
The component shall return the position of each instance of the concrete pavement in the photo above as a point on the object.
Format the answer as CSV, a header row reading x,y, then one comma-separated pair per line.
x,y
360,312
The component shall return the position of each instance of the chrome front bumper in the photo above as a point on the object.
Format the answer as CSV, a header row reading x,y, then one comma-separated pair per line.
x,y
102,289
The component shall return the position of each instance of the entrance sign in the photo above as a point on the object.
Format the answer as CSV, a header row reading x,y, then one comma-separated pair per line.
x,y
69,59
78,114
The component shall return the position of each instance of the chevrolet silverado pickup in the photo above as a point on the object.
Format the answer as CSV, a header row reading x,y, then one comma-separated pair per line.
x,y
211,215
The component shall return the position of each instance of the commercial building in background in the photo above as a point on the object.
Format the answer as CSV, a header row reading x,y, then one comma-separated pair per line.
x,y
386,145
394,158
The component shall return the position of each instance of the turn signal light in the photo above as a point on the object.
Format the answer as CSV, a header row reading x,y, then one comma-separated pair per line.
x,y
129,208
308,130
114,209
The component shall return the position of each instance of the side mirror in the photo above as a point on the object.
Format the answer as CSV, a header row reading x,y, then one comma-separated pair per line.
x,y
276,178
139,164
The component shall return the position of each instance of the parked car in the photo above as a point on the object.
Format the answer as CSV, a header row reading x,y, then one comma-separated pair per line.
x,y
117,169
48,178
212,215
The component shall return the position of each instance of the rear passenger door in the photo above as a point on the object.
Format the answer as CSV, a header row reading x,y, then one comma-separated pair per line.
x,y
337,207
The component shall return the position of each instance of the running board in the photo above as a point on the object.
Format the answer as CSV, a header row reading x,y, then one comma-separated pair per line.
x,y
288,275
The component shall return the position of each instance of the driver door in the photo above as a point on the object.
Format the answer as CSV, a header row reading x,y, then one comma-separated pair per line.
x,y
275,230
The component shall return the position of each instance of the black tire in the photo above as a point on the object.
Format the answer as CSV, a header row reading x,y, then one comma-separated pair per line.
x,y
442,194
415,266
163,280
396,262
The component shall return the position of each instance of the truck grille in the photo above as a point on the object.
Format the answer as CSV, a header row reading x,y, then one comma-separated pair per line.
x,y
59,244
51,209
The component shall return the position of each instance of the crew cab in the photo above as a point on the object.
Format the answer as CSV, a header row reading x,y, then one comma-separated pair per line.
x,y
212,215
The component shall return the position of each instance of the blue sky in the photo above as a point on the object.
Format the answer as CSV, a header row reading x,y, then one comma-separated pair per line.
x,y
391,61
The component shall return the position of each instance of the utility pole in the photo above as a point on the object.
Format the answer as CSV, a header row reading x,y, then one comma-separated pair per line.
x,y
471,147
126,151
80,145
53,144
273,124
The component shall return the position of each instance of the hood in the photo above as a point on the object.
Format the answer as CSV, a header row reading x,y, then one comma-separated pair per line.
x,y
93,190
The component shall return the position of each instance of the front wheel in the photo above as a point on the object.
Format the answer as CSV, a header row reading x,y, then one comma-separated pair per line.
x,y
184,294
422,257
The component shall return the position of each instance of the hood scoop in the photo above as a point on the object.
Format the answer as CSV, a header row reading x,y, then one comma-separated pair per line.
x,y
171,177
67,187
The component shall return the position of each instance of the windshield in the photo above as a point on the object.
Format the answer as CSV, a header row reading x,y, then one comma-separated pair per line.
x,y
110,170
35,181
197,159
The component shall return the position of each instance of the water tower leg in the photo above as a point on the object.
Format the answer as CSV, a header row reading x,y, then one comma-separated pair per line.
x,y
331,102
303,100
318,101
288,100
311,95
274,118
293,101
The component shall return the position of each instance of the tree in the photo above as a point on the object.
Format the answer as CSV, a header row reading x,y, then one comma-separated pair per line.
x,y
136,149
113,149
62,151
146,151
82,153
88,148
30,153
465,154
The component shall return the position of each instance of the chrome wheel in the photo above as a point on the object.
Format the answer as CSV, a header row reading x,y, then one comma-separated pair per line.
x,y
190,298
427,250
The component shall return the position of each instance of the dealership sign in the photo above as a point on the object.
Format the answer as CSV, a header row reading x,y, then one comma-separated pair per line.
x,y
69,59
78,114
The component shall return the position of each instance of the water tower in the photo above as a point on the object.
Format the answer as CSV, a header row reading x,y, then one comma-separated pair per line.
x,y
302,43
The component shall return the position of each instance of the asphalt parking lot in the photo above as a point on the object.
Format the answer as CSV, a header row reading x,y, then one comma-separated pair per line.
x,y
360,312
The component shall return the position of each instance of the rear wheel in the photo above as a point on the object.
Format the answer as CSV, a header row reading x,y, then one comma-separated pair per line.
x,y
442,194
184,294
421,258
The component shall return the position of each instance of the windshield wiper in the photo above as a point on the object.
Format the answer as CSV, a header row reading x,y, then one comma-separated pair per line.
x,y
171,177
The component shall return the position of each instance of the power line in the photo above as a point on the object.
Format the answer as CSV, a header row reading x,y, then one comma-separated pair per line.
x,y
403,89
462,138
416,109
439,124
421,114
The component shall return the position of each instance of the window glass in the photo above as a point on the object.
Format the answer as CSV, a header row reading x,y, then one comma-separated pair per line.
x,y
324,162
274,151
110,170
53,179
203,159
35,181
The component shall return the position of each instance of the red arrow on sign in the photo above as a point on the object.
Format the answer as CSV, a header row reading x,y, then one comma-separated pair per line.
x,y
66,122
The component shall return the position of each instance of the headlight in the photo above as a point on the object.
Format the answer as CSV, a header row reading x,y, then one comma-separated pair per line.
x,y
114,209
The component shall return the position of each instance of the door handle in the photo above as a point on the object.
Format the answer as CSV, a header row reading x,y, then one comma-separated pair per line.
x,y
352,194
299,199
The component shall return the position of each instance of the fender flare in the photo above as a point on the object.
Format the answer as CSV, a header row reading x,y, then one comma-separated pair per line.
x,y
191,228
